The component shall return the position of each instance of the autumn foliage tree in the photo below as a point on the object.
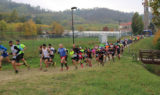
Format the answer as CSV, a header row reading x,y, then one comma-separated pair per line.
x,y
105,28
19,27
155,6
56,28
80,28
156,37
30,28
3,26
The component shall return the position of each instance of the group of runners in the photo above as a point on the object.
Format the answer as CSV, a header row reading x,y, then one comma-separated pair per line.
x,y
17,53
79,56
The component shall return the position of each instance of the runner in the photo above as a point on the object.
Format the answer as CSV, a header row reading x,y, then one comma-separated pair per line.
x,y
97,55
112,51
101,57
52,52
125,42
66,54
118,49
62,52
22,47
89,57
104,54
3,54
15,51
41,57
94,52
45,56
81,57
107,51
121,48
75,60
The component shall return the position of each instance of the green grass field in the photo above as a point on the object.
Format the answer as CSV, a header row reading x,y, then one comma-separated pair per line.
x,y
32,52
123,77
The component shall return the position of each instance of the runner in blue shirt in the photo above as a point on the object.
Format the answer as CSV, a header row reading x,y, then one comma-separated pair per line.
x,y
63,55
3,54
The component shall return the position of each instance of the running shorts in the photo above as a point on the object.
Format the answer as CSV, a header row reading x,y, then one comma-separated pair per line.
x,y
4,55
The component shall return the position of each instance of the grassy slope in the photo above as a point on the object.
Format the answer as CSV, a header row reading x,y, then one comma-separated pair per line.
x,y
146,44
143,44
121,78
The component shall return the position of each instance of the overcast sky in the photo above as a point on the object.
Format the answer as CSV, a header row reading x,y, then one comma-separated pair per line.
x,y
59,5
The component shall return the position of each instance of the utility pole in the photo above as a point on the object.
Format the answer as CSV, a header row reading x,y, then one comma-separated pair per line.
x,y
146,14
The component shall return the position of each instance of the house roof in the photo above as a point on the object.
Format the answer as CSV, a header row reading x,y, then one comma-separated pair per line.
x,y
126,24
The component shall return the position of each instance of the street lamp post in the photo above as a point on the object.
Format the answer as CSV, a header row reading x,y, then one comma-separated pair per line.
x,y
73,22
119,28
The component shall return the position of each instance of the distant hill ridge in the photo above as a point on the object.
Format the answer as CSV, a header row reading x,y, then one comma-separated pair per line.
x,y
82,16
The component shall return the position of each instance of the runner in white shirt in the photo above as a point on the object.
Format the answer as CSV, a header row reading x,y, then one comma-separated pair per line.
x,y
45,55
16,56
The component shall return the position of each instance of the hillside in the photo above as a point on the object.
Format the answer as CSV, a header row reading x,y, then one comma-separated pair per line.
x,y
83,16
23,9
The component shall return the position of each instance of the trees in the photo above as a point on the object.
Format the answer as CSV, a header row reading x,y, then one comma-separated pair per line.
x,y
38,20
23,19
156,36
105,28
155,6
57,28
3,28
30,28
141,25
13,16
158,44
152,27
137,24
134,23
80,28
39,29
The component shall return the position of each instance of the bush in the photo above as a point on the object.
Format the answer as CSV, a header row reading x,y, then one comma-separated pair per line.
x,y
158,44
156,37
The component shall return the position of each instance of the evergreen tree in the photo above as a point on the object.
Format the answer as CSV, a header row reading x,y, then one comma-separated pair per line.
x,y
137,24
13,17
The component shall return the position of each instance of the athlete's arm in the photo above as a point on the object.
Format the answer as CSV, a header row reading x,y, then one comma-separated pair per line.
x,y
3,48
24,47
18,50
55,51
48,50
58,51
11,53
42,54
